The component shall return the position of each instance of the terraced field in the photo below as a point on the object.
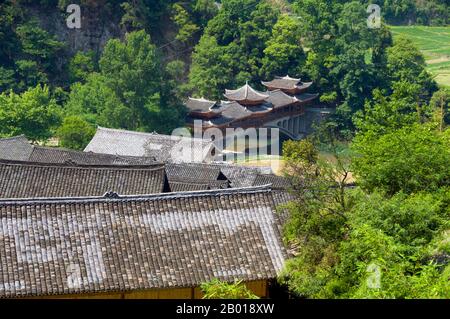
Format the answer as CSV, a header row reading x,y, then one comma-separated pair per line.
x,y
434,42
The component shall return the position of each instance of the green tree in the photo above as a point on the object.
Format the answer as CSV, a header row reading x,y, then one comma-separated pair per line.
x,y
231,51
132,69
385,114
395,239
132,90
33,113
7,80
346,59
284,53
410,159
81,65
39,45
98,104
186,27
211,69
75,133
407,64
29,74
317,213
204,11
440,104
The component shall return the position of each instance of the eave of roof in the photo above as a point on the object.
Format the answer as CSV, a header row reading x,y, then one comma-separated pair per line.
x,y
34,180
146,197
245,93
200,105
287,83
279,99
162,147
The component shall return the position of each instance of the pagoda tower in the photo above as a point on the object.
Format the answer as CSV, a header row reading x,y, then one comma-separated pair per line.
x,y
246,95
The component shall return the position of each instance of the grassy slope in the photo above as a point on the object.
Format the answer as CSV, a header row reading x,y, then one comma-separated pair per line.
x,y
434,42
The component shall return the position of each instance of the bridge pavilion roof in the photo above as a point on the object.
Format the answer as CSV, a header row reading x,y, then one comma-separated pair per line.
x,y
286,83
246,95
201,105
279,99
232,111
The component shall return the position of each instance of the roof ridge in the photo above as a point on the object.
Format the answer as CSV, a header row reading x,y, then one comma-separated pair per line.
x,y
152,134
202,99
246,88
60,149
14,137
108,196
153,166
287,77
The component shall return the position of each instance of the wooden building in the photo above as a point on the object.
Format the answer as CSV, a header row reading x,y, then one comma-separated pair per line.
x,y
35,171
246,107
145,246
164,148
32,180
20,149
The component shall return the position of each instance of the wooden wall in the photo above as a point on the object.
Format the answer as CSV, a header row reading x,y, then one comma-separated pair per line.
x,y
259,288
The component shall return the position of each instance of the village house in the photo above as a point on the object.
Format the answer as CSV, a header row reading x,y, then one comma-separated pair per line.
x,y
34,180
144,246
20,149
36,171
164,148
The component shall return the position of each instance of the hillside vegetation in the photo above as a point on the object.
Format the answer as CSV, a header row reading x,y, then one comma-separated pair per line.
x,y
434,43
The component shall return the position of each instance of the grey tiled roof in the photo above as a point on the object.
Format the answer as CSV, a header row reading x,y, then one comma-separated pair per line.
x,y
19,149
237,175
33,180
195,176
287,83
280,185
279,99
15,148
90,245
192,185
60,156
164,148
276,182
243,176
197,171
215,175
232,111
200,105
307,97
245,93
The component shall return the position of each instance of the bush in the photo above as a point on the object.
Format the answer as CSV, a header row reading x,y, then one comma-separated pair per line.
x,y
216,289
75,133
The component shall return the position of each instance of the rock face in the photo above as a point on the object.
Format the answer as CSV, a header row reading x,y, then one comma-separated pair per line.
x,y
97,27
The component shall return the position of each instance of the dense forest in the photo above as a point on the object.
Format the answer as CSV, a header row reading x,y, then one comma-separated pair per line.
x,y
135,61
